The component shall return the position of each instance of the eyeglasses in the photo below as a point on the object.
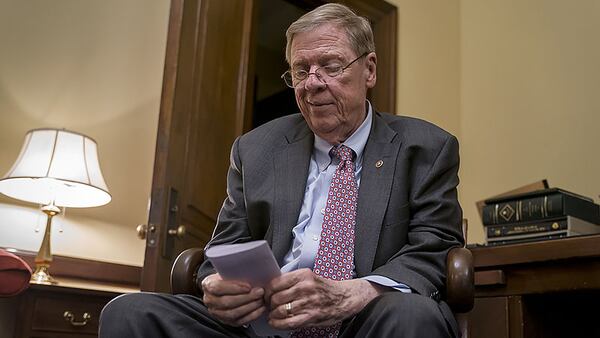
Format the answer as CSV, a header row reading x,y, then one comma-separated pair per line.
x,y
293,78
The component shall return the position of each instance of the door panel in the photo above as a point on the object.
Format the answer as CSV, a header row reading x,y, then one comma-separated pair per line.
x,y
383,18
217,98
203,109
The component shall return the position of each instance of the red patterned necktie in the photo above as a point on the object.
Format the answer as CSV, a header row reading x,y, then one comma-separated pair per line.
x,y
335,257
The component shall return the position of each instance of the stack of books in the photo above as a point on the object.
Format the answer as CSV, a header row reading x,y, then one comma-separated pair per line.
x,y
539,215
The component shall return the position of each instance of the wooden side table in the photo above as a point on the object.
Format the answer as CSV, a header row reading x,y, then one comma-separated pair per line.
x,y
70,309
541,289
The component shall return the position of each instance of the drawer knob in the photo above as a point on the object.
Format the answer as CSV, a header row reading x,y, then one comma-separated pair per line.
x,y
70,317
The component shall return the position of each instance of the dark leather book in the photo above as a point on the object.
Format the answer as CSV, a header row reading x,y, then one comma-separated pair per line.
x,y
562,227
521,228
540,205
525,240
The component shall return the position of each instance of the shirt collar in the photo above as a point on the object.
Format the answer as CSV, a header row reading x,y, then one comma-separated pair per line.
x,y
356,142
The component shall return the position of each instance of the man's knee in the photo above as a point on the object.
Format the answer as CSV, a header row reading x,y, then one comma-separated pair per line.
x,y
396,314
122,316
127,305
403,307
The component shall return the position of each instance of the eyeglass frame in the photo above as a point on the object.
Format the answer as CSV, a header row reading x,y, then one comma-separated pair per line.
x,y
319,76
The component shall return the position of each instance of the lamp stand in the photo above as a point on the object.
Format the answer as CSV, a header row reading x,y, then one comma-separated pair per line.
x,y
44,255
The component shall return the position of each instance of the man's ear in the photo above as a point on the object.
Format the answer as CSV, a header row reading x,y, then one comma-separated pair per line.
x,y
371,70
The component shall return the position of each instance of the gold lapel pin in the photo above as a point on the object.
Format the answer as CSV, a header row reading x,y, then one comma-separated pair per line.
x,y
379,164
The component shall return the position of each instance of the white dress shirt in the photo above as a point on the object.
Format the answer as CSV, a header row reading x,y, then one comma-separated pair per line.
x,y
307,232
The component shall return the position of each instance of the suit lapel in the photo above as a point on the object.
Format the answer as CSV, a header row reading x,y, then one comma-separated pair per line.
x,y
374,192
291,165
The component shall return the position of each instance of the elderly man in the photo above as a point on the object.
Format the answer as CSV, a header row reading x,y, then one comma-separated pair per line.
x,y
359,208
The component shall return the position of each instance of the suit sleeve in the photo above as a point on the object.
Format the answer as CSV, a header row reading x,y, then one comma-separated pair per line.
x,y
434,226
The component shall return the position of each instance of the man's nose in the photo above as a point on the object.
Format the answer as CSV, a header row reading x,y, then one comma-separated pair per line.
x,y
314,81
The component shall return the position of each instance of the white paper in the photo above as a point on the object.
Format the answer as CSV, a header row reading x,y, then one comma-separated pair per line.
x,y
251,262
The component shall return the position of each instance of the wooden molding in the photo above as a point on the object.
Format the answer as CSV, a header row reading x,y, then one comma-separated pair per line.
x,y
491,277
63,266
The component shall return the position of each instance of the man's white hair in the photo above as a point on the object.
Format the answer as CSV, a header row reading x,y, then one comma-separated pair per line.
x,y
357,28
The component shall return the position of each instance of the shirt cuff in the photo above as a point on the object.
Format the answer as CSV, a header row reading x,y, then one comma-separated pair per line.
x,y
384,281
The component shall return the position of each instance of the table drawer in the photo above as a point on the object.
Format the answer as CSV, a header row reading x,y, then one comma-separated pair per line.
x,y
67,313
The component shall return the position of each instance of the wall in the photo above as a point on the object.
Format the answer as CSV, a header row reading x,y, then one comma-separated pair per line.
x,y
530,103
94,67
517,81
429,61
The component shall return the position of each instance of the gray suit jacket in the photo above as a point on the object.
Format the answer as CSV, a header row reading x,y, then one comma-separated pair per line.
x,y
408,215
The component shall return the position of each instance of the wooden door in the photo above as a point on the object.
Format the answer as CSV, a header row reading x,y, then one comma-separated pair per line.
x,y
203,108
206,102
383,18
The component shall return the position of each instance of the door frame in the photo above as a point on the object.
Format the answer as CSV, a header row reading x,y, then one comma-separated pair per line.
x,y
383,17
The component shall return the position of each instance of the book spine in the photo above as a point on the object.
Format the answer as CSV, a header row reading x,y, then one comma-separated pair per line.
x,y
526,228
524,210
554,205
542,237
540,208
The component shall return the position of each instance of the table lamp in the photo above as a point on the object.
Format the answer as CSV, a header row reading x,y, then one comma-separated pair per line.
x,y
56,168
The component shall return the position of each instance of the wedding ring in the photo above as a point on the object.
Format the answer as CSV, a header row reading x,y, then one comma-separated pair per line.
x,y
288,309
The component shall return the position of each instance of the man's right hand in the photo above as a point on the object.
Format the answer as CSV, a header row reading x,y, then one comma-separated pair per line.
x,y
234,303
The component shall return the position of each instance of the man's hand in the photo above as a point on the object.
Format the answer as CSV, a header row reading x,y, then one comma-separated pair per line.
x,y
315,301
234,303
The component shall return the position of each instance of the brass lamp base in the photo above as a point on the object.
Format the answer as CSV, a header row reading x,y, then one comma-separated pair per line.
x,y
44,256
42,276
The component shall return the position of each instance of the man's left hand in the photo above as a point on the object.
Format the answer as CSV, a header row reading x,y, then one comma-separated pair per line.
x,y
315,301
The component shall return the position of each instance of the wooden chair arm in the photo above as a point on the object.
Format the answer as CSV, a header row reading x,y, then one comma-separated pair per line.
x,y
460,287
460,284
183,272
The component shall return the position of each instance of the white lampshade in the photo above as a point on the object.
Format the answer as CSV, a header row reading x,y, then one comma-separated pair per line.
x,y
57,165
